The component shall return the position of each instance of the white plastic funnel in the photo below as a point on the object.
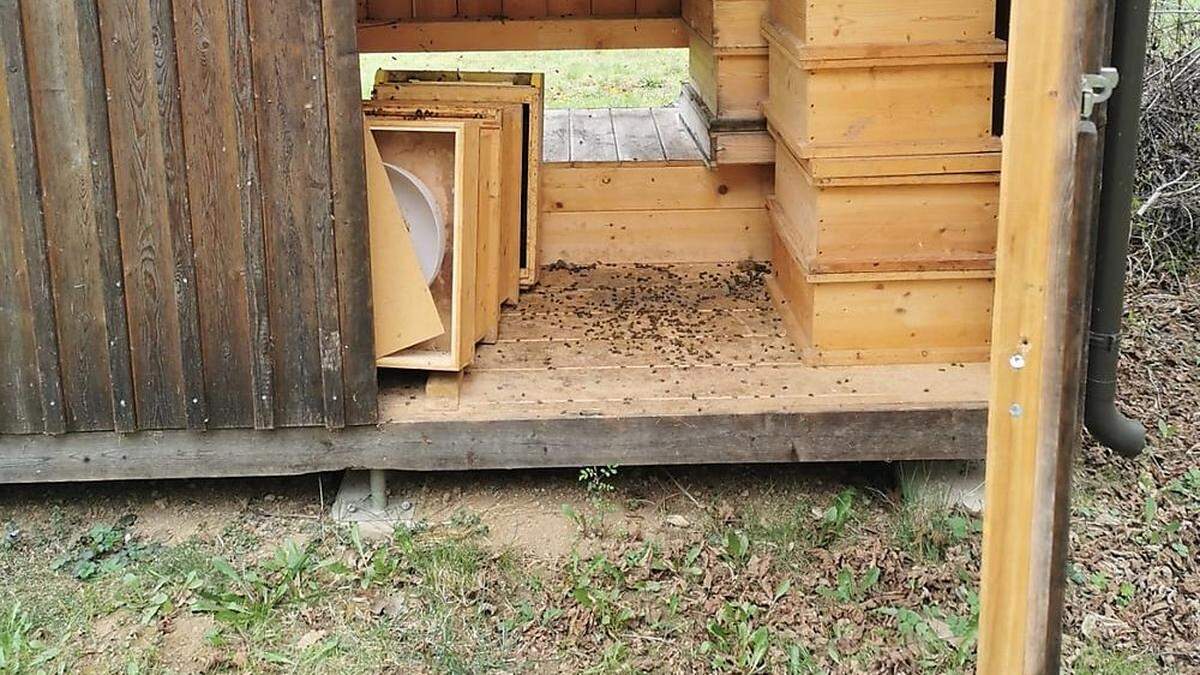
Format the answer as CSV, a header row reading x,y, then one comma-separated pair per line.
x,y
424,219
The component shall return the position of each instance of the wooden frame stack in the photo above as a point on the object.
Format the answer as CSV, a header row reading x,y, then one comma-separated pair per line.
x,y
519,98
887,177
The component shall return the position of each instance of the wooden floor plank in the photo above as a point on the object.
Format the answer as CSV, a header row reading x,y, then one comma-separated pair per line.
x,y
556,144
678,144
592,138
636,136
666,340
569,325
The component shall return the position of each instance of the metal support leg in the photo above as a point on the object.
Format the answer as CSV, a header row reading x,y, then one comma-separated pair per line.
x,y
379,497
363,499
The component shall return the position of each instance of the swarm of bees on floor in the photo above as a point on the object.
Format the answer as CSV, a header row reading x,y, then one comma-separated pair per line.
x,y
654,315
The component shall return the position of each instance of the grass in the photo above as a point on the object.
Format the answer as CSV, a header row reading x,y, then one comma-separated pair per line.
x,y
614,78
1097,659
824,577
20,648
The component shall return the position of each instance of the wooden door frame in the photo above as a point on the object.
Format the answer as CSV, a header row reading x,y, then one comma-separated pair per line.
x,y
1040,318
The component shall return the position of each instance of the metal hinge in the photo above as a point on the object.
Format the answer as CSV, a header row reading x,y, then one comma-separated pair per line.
x,y
1098,88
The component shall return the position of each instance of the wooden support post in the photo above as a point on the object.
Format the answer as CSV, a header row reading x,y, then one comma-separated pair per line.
x,y
1037,344
445,388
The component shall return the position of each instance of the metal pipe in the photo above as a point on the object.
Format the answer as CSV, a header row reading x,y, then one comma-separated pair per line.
x,y
1101,416
379,497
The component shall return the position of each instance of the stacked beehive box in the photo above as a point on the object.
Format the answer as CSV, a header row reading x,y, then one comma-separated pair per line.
x,y
887,176
727,61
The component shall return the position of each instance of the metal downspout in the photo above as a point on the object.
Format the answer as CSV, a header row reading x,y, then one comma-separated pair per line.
x,y
1101,416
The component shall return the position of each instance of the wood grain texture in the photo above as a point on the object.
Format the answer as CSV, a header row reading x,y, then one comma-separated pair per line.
x,y
680,236
525,9
516,179
20,409
293,155
678,144
894,105
31,393
108,233
731,82
860,22
523,34
614,7
1030,406
895,223
557,143
592,136
351,237
382,10
151,201
563,8
637,136
657,7
476,9
727,23
650,188
879,435
253,220
79,220
215,186
184,205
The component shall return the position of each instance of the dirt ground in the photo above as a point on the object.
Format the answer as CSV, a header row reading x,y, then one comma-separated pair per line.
x,y
798,569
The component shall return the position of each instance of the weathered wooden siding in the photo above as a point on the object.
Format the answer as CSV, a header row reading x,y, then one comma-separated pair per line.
x,y
182,222
512,9
31,391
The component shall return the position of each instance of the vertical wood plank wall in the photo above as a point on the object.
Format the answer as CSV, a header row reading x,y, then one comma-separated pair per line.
x,y
182,234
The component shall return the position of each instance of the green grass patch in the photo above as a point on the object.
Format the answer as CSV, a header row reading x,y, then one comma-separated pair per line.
x,y
611,78
21,649
1096,659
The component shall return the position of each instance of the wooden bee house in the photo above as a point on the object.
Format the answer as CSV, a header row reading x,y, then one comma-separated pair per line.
x,y
793,263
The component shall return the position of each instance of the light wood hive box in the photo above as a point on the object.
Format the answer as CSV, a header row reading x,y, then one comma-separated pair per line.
x,y
888,214
862,102
732,82
885,210
722,100
881,22
903,317
727,24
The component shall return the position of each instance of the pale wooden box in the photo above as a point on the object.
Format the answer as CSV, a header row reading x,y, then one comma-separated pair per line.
x,y
888,214
928,99
883,318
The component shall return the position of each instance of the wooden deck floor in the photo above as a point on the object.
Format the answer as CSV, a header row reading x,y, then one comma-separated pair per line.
x,y
636,135
609,364
614,341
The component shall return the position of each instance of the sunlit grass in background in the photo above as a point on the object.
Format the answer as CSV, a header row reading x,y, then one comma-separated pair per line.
x,y
614,78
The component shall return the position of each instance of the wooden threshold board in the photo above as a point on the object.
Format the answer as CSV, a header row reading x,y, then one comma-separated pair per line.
x,y
666,341
618,136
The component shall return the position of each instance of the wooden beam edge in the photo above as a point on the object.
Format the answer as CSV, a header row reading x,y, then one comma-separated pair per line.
x,y
876,435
